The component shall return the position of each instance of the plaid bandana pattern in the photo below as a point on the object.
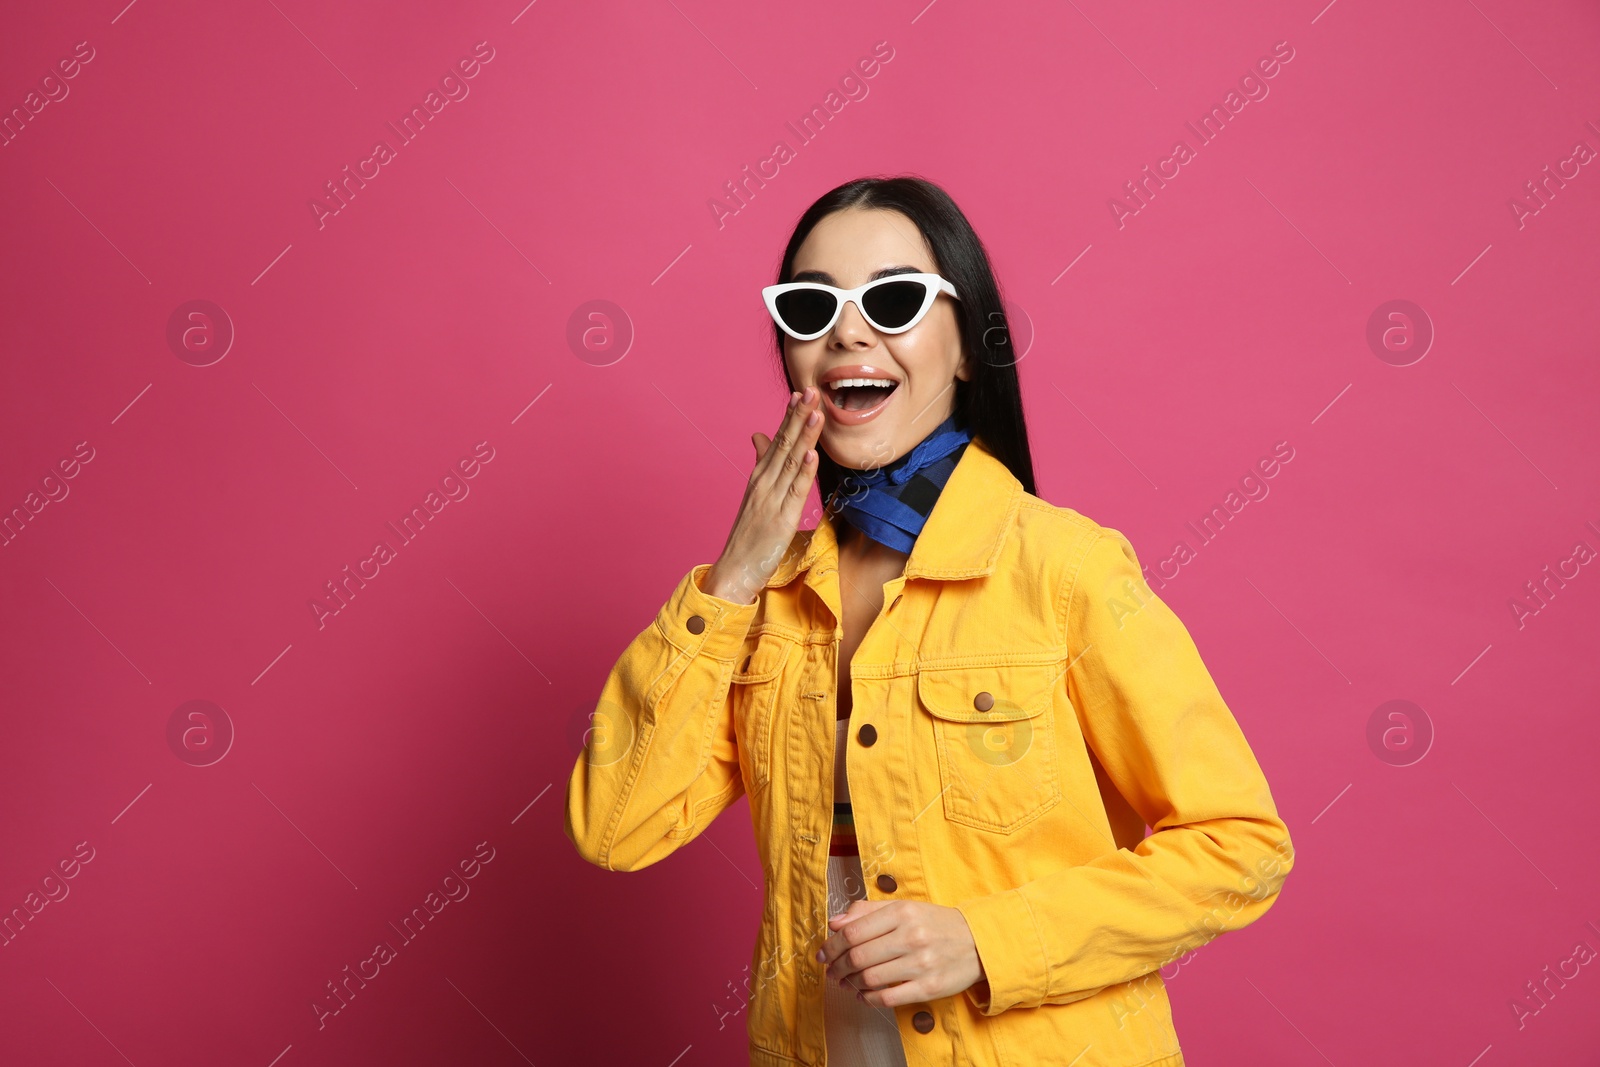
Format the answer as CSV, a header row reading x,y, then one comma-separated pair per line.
x,y
892,503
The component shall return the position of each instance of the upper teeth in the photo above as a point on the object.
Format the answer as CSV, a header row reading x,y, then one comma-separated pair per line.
x,y
840,383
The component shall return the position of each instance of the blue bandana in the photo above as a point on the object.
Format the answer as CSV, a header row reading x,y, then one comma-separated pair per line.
x,y
890,504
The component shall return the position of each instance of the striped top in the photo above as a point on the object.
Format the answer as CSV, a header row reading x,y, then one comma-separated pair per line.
x,y
843,839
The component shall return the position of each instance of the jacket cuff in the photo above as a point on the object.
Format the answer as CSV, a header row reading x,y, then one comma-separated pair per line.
x,y
1012,953
695,622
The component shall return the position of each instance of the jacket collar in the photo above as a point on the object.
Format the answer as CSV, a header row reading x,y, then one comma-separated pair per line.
x,y
962,537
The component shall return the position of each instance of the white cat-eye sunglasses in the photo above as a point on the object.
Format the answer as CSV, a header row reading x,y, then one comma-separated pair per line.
x,y
807,310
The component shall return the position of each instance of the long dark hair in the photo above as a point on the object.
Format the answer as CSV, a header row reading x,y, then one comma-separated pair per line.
x,y
990,405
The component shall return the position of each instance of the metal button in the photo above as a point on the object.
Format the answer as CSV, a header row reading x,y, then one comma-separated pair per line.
x,y
983,701
887,884
867,734
696,624
923,1021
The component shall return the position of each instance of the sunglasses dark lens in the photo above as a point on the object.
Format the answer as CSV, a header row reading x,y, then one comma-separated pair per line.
x,y
806,310
893,304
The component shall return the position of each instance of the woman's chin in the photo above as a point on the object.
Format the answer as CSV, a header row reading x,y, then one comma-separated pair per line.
x,y
861,452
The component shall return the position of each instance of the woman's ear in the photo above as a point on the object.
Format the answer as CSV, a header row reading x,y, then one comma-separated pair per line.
x,y
964,368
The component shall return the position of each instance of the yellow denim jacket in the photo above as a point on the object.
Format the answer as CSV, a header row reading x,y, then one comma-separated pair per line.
x,y
1035,707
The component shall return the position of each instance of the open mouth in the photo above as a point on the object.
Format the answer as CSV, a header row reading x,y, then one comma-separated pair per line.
x,y
860,394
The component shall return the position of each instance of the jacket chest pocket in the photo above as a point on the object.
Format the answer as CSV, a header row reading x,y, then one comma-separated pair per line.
x,y
994,730
753,695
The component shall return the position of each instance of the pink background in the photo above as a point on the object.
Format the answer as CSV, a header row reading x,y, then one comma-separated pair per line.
x,y
440,707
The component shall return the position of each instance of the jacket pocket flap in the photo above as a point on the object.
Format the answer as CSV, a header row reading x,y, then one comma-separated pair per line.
x,y
1008,691
763,663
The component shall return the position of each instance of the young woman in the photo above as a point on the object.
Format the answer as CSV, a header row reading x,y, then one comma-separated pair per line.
x,y
954,706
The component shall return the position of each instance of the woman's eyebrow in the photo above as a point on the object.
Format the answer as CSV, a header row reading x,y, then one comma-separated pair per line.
x,y
827,279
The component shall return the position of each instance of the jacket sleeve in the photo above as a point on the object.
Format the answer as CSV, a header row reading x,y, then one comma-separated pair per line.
x,y
1217,854
660,759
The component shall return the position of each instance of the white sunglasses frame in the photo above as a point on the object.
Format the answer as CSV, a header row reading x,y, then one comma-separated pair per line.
x,y
933,286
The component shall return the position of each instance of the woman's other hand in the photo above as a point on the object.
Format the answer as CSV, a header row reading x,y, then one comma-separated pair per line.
x,y
901,951
774,497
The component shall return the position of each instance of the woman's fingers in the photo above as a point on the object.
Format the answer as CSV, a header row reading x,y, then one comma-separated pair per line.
x,y
879,976
780,460
794,472
775,493
883,961
798,460
864,920
767,447
774,497
800,487
783,439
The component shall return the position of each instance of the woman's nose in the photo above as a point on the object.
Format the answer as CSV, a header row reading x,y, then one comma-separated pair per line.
x,y
852,325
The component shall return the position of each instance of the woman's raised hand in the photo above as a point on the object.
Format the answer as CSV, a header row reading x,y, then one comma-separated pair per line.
x,y
774,497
